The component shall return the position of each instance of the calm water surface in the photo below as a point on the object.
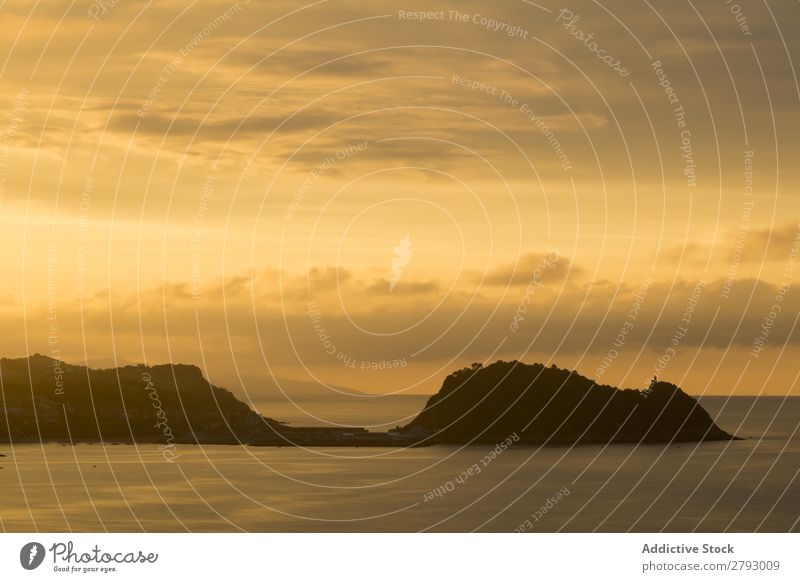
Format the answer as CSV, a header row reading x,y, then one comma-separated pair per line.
x,y
739,486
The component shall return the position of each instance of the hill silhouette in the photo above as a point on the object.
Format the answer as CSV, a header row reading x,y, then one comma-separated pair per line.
x,y
554,406
46,399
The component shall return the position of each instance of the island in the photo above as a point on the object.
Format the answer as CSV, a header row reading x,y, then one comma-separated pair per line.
x,y
547,405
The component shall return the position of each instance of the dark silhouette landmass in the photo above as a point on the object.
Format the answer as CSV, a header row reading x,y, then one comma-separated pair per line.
x,y
544,405
44,399
48,400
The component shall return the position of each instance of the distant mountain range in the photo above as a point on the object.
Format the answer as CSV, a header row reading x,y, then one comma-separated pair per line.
x,y
47,400
550,405
271,388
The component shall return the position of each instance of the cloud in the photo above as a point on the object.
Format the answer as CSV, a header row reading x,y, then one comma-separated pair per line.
x,y
548,269
753,246
381,288
328,278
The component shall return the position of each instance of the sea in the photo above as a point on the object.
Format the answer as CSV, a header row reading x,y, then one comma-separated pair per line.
x,y
750,485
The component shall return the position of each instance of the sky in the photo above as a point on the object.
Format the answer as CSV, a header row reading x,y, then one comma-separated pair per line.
x,y
373,195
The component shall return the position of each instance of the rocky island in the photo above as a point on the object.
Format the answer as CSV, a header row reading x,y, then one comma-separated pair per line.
x,y
548,405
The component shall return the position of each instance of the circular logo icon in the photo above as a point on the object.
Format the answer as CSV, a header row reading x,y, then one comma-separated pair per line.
x,y
31,555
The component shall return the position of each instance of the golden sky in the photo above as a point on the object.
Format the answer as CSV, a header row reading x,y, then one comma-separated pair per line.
x,y
324,191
